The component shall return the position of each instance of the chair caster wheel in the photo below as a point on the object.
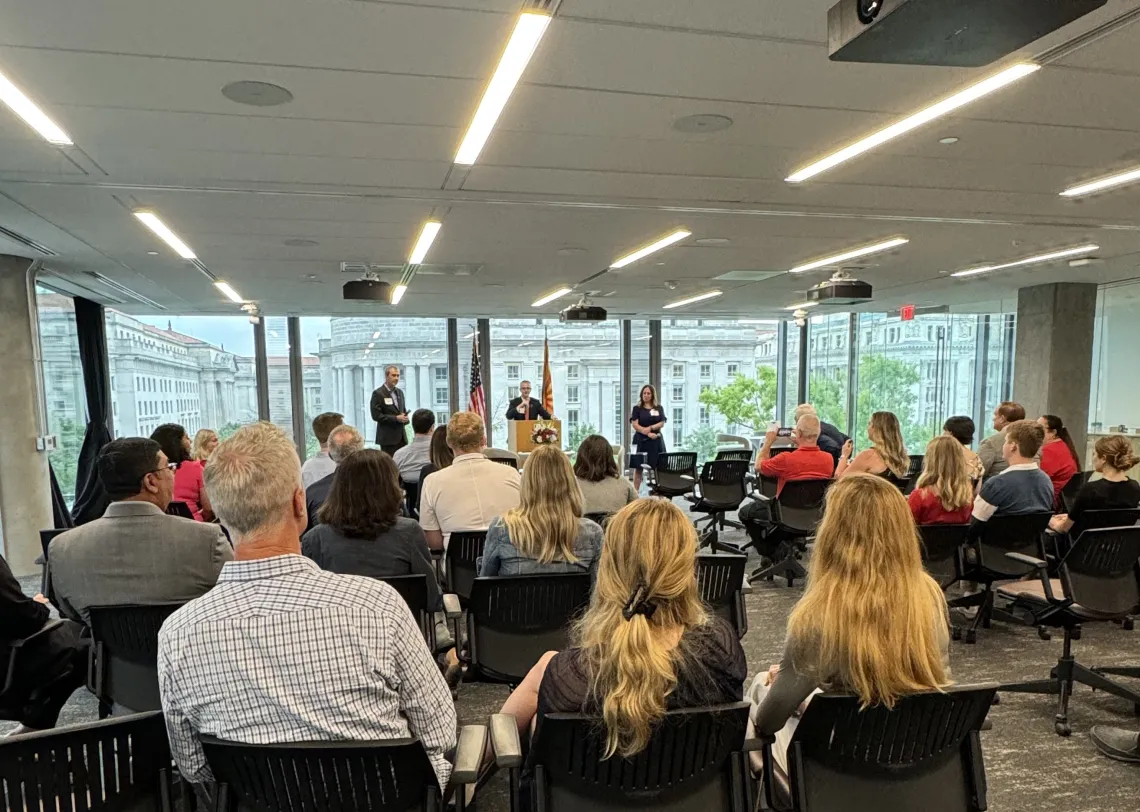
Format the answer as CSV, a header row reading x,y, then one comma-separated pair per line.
x,y
1128,625
956,633
971,636
1063,728
1043,633
996,700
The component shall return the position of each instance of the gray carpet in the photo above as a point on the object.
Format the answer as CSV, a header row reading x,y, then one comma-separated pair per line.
x,y
1029,767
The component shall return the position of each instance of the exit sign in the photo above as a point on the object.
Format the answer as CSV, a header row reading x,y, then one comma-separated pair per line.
x,y
906,312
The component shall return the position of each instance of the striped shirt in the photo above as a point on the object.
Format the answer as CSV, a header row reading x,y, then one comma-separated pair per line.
x,y
1018,490
281,652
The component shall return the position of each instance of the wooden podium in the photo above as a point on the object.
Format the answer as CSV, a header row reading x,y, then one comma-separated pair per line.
x,y
519,431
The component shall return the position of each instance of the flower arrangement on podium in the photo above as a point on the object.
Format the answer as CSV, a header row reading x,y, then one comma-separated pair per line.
x,y
543,433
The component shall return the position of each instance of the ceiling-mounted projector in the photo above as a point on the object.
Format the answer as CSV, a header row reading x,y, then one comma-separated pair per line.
x,y
367,290
957,33
583,311
840,289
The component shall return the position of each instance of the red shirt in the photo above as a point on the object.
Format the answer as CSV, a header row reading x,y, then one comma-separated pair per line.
x,y
188,486
806,462
1059,464
927,509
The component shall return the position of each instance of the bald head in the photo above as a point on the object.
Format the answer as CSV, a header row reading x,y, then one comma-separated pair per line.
x,y
801,410
807,429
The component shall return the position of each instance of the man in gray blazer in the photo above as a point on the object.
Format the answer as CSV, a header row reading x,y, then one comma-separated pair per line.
x,y
989,449
135,554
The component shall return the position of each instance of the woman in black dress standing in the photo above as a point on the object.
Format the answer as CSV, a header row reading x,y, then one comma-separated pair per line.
x,y
647,419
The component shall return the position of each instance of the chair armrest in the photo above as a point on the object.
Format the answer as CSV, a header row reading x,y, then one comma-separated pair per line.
x,y
451,607
686,476
759,497
1028,560
48,627
505,741
469,754
758,743
646,467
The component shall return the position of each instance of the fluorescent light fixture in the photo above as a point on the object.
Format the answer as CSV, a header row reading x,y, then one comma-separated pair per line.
x,y
423,244
1052,255
376,335
398,293
652,248
1131,176
152,221
801,306
371,345
700,297
916,120
527,34
230,293
33,116
854,253
550,297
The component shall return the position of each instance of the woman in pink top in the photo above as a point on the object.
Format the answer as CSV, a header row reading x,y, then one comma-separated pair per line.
x,y
1059,458
188,483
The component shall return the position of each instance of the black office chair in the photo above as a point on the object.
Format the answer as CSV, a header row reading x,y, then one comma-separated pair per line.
x,y
903,483
116,764
510,462
1092,520
695,762
985,561
464,549
411,498
744,454
15,698
383,776
942,546
721,581
599,519
179,509
513,620
1098,582
1072,488
923,754
795,514
674,475
46,587
124,656
414,590
721,488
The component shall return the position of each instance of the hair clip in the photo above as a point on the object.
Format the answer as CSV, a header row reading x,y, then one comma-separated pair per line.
x,y
639,603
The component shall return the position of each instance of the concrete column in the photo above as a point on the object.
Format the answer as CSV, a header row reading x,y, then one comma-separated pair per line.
x,y
25,489
1053,357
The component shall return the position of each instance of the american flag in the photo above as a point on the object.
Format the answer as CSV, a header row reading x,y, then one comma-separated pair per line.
x,y
478,403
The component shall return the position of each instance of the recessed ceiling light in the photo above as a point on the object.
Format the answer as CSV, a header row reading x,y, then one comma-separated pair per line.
x,y
1035,260
713,241
652,248
853,253
1119,179
423,244
32,115
152,221
915,120
948,140
527,34
801,305
550,297
257,94
700,297
702,123
230,293
152,253
301,243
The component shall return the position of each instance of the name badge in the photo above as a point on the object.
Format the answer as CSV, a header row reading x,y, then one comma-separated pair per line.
x,y
387,401
654,413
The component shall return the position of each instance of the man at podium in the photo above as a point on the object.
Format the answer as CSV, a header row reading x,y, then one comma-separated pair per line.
x,y
525,407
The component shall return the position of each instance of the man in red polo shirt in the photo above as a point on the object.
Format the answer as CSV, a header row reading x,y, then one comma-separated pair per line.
x,y
808,461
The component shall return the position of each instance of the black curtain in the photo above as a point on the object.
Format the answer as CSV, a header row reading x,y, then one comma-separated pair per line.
x,y
61,519
90,498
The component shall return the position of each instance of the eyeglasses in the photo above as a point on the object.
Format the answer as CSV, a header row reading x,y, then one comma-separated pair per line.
x,y
170,466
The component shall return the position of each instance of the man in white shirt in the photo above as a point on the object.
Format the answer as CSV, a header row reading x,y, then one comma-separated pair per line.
x,y
411,459
469,493
320,466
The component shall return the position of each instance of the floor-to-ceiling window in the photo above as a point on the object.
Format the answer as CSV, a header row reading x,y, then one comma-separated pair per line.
x,y
63,385
828,367
1114,399
790,372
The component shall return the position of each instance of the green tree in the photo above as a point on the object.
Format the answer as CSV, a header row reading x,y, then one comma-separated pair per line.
x,y
747,402
574,439
227,431
888,385
65,458
703,441
829,397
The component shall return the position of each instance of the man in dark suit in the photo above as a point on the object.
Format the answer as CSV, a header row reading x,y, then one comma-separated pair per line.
x,y
831,439
525,407
343,441
390,412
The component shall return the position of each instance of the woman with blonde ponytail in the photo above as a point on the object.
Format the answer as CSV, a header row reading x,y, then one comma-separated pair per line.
x,y
646,644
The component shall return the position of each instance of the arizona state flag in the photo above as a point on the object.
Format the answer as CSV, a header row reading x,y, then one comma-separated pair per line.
x,y
547,382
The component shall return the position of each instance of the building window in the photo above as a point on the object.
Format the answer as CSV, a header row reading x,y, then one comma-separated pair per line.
x,y
678,371
678,392
705,387
678,427
572,394
441,394
441,374
571,420
441,418
706,371
512,372
733,370
572,372
705,415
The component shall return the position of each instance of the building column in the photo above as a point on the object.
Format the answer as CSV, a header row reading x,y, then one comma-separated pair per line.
x,y
25,489
1053,364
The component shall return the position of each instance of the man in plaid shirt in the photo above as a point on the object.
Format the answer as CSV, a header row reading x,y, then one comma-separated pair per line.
x,y
281,651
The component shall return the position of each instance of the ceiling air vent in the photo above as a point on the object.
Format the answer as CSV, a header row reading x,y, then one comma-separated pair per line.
x,y
543,6
27,242
361,268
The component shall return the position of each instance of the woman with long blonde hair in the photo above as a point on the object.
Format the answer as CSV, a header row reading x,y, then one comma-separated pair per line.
x,y
944,493
870,622
205,441
546,533
646,644
887,455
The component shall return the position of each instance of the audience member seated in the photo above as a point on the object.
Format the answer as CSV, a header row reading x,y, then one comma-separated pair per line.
x,y
361,531
344,441
1021,487
831,439
604,489
990,449
440,455
1112,459
808,461
546,533
961,428
205,441
1059,457
411,459
188,486
645,645
281,651
135,553
321,465
471,491
887,455
944,493
47,671
870,622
